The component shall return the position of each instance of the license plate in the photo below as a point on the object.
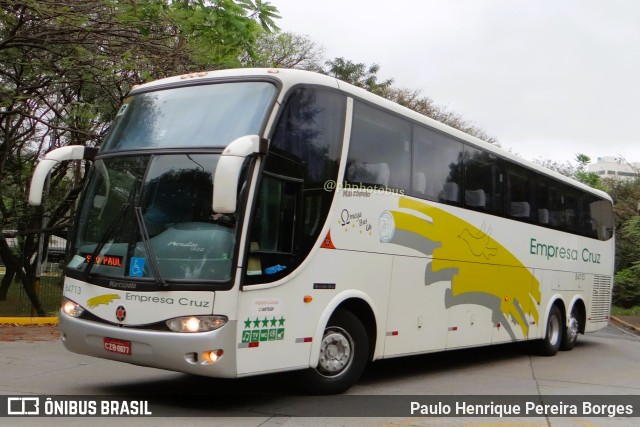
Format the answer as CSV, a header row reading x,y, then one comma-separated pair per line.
x,y
117,346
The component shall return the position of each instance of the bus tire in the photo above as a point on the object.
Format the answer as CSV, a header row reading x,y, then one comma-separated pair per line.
x,y
344,353
570,333
550,344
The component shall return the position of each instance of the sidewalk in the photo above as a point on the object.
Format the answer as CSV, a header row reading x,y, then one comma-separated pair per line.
x,y
631,323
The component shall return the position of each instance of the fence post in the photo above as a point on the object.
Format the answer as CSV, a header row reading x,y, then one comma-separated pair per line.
x,y
41,242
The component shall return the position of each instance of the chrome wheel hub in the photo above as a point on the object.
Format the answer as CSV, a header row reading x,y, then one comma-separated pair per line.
x,y
336,352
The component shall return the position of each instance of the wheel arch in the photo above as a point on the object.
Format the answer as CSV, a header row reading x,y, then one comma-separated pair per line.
x,y
555,300
361,306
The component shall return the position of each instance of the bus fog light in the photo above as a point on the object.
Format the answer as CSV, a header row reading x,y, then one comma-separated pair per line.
x,y
196,323
71,308
212,356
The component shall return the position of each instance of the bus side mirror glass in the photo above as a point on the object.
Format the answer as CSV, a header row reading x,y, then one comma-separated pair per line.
x,y
225,180
52,158
99,202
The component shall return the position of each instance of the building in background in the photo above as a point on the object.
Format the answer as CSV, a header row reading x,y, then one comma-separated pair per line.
x,y
615,167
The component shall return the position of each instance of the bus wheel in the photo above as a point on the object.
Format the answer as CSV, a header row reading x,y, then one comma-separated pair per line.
x,y
344,352
550,345
570,333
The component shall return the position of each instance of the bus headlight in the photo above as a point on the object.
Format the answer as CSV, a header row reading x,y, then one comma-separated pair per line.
x,y
71,308
196,323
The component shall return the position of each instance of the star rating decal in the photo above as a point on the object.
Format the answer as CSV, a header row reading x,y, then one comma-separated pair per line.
x,y
263,329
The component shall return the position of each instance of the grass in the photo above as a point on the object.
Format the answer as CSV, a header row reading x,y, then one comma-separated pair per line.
x,y
633,311
17,303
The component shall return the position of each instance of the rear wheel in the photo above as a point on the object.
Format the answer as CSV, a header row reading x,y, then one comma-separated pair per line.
x,y
570,333
550,344
344,352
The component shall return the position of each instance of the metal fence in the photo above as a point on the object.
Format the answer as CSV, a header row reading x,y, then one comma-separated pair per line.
x,y
17,302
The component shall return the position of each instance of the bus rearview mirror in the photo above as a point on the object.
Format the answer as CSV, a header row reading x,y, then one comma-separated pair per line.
x,y
225,180
52,158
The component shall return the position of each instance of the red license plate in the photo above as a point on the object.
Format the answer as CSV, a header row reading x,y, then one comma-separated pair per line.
x,y
117,346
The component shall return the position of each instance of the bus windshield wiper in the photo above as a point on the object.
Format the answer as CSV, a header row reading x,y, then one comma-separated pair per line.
x,y
105,237
144,234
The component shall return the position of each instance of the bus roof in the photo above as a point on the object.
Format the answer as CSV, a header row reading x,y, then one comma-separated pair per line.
x,y
292,77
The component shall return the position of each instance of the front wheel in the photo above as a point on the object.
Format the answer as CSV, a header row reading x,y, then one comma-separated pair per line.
x,y
550,344
344,352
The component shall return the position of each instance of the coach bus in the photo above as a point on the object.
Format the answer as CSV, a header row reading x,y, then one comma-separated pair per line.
x,y
246,222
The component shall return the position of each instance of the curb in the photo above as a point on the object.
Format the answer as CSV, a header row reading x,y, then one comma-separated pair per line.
x,y
625,324
28,320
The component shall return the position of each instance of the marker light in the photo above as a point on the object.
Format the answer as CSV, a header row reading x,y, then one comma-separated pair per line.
x,y
196,323
71,308
212,356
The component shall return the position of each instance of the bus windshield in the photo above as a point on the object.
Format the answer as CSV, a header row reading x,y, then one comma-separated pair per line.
x,y
197,116
175,231
146,214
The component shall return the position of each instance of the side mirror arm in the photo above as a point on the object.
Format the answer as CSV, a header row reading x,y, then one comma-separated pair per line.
x,y
52,158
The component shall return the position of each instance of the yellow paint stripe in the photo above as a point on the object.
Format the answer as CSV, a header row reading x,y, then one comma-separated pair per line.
x,y
28,320
505,423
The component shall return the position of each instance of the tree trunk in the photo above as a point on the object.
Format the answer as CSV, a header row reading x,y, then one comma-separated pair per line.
x,y
6,282
28,282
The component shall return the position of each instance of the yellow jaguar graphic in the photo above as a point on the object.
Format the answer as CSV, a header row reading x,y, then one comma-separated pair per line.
x,y
480,269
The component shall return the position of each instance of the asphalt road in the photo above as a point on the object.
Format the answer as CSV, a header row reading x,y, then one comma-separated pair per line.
x,y
605,363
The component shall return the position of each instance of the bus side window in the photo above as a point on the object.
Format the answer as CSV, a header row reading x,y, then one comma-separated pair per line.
x,y
380,150
272,248
437,162
520,193
484,181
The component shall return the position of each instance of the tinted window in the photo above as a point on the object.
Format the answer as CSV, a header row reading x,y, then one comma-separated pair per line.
x,y
310,131
380,150
437,164
293,204
483,181
521,201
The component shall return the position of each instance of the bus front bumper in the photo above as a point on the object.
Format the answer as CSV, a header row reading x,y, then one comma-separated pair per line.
x,y
211,354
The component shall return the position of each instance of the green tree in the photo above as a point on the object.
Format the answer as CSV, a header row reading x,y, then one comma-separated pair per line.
x,y
626,291
65,68
358,74
414,100
577,170
366,77
592,179
283,50
626,196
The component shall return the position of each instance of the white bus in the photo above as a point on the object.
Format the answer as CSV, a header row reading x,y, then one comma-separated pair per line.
x,y
246,222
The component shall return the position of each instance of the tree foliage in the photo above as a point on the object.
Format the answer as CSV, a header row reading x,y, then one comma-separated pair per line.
x,y
283,50
577,170
626,197
366,77
414,100
65,68
626,194
358,74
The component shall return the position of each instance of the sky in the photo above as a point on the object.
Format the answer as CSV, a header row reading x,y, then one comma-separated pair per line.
x,y
547,78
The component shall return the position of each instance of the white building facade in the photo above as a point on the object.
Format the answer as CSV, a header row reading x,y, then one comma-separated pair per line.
x,y
614,167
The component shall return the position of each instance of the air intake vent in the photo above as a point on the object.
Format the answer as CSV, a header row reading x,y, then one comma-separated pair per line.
x,y
601,299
